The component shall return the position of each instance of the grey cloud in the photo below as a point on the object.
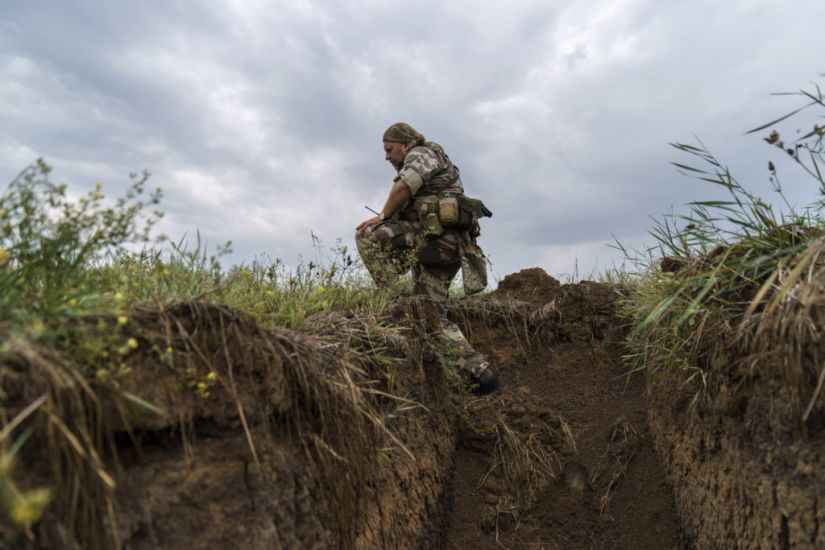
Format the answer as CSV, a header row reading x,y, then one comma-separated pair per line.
x,y
264,123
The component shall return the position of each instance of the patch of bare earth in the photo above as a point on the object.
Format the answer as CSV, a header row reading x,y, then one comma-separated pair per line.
x,y
562,376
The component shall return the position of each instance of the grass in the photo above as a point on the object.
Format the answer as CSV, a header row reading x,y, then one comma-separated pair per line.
x,y
724,266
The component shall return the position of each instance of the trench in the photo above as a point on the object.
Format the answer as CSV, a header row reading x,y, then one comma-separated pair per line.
x,y
609,488
626,464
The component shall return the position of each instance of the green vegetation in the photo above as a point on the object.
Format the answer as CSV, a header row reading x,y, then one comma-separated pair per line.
x,y
723,267
75,275
65,258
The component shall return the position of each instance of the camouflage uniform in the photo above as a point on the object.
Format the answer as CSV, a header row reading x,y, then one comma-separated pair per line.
x,y
400,244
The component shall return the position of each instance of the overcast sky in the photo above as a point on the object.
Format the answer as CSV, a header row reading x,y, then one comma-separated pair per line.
x,y
262,121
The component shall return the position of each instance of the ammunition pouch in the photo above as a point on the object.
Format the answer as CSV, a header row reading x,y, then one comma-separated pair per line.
x,y
447,210
426,209
462,212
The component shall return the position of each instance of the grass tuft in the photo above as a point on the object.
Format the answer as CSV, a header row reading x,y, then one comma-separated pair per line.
x,y
724,283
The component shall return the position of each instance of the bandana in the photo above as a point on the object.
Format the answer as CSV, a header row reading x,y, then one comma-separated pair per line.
x,y
401,132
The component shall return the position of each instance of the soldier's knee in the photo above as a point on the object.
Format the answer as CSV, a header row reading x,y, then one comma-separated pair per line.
x,y
399,242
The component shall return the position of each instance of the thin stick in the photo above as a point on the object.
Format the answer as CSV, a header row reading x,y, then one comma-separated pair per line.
x,y
815,395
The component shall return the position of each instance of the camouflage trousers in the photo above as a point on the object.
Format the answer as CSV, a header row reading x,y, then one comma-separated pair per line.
x,y
393,248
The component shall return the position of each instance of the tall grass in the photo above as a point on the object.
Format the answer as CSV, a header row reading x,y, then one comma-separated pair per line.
x,y
718,263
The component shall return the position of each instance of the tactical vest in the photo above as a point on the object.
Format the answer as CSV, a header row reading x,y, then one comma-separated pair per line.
x,y
446,179
440,203
443,182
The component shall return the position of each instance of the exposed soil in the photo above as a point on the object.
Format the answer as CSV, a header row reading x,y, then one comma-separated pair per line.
x,y
289,449
735,485
609,489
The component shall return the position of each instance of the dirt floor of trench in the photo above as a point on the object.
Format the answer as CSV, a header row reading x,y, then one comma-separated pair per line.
x,y
609,490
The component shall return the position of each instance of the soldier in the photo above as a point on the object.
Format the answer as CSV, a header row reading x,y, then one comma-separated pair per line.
x,y
429,226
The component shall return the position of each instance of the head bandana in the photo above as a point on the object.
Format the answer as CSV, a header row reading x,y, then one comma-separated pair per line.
x,y
401,132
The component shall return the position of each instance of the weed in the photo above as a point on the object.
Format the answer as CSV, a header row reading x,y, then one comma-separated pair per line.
x,y
49,241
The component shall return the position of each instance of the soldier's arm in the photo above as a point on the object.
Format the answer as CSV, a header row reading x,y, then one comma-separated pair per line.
x,y
399,195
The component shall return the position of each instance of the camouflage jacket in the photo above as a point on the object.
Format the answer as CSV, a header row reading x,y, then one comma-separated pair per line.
x,y
427,170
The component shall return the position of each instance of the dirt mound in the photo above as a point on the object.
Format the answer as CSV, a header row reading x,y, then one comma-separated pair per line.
x,y
541,312
529,284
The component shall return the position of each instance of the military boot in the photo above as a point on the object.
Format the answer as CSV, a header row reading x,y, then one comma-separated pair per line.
x,y
487,381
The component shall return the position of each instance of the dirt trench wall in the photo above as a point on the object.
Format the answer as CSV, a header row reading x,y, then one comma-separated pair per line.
x,y
219,499
733,488
330,437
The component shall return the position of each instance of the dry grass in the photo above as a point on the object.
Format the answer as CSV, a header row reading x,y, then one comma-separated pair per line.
x,y
785,328
69,431
525,463
530,327
612,464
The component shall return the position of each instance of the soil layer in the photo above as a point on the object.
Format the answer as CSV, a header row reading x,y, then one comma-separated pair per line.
x,y
736,485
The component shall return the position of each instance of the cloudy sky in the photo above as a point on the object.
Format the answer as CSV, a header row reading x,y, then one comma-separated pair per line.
x,y
262,120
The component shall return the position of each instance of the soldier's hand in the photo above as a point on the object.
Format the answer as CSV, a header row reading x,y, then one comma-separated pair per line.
x,y
364,225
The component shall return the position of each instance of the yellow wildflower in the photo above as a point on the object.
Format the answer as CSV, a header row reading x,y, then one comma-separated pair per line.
x,y
122,319
270,293
212,376
38,327
202,386
102,374
167,272
132,343
169,349
119,296
320,289
73,302
29,507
